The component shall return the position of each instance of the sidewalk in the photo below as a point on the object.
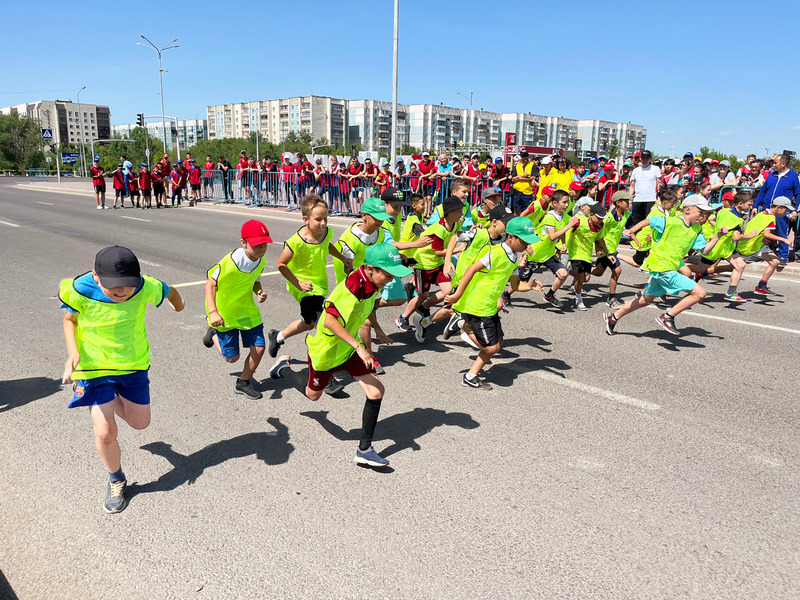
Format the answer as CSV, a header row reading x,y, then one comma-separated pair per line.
x,y
83,187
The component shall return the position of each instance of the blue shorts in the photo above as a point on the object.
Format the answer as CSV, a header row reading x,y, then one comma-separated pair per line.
x,y
520,201
229,340
394,290
102,390
669,282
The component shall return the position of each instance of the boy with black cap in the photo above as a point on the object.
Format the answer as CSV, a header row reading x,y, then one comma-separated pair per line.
x,y
109,354
479,292
336,345
430,269
230,309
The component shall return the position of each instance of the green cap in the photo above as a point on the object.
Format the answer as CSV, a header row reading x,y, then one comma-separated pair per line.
x,y
627,163
387,257
523,229
376,208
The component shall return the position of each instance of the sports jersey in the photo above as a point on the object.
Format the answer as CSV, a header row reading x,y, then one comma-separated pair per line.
x,y
612,229
353,244
675,240
487,285
725,246
234,297
308,263
97,176
761,222
410,233
426,256
479,243
542,250
145,180
581,239
642,243
524,186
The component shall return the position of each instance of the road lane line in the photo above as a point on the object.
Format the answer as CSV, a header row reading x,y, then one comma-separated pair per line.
x,y
596,391
740,322
47,203
9,224
203,282
148,263
136,219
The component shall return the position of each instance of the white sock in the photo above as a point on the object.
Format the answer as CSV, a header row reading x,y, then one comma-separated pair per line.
x,y
578,297
280,338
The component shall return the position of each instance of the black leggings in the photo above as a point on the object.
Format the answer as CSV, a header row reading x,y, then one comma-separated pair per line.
x,y
639,212
369,419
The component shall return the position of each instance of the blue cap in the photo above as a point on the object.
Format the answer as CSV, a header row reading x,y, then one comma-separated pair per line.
x,y
180,162
119,164
689,154
498,159
143,165
96,158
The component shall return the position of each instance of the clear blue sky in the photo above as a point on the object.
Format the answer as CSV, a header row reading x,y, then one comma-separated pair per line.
x,y
722,74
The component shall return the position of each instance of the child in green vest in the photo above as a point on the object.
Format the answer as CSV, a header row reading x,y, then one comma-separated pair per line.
x,y
430,268
490,197
612,234
353,243
733,220
581,242
753,249
479,291
413,227
230,309
304,264
676,236
642,236
336,345
546,253
109,354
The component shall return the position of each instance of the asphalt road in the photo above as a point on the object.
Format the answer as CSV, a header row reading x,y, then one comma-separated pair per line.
x,y
639,465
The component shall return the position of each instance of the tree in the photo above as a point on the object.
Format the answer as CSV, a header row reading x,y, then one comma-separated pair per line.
x,y
406,149
707,152
613,149
20,141
305,137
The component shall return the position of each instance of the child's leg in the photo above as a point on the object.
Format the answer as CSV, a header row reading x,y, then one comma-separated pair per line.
x,y
484,356
634,304
579,279
696,295
252,361
415,303
135,415
296,327
561,277
442,314
374,390
433,300
365,333
772,264
737,266
105,435
612,283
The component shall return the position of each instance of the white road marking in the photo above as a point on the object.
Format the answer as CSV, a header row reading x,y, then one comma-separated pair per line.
x,y
47,203
596,391
203,282
740,322
148,263
9,224
136,219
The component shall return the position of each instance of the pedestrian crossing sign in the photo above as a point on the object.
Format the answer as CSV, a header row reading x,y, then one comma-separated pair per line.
x,y
47,134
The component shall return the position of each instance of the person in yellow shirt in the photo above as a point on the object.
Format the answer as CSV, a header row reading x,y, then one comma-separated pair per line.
x,y
546,175
563,175
523,177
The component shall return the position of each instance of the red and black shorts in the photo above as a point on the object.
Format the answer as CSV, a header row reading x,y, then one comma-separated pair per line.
x,y
423,280
318,380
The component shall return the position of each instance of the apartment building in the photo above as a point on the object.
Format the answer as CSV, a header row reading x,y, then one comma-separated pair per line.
x,y
186,133
70,121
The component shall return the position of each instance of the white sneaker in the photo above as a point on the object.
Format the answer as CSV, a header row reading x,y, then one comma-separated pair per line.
x,y
99,207
579,305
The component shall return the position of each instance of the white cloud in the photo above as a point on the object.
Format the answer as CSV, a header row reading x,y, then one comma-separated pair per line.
x,y
795,127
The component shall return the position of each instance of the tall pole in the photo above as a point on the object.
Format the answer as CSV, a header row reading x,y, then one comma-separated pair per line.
x,y
159,51
80,122
394,84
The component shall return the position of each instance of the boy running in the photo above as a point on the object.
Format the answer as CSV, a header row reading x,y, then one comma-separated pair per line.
x,y
490,197
582,240
304,264
109,354
678,235
753,249
479,292
612,234
231,311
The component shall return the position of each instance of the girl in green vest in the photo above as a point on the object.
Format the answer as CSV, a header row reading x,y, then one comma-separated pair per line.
x,y
676,236
479,290
109,354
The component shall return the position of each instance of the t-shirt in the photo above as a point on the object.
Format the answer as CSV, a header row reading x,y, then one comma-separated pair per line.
x,y
87,286
714,178
368,239
97,176
239,258
646,179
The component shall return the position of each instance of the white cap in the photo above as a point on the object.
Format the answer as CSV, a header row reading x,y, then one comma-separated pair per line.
x,y
546,160
426,154
698,201
782,201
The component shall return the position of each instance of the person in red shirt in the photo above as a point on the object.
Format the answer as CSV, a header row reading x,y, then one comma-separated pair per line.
x,y
146,185
354,173
99,183
118,181
427,171
208,177
270,176
305,174
178,181
158,184
133,189
166,169
289,176
606,183
195,180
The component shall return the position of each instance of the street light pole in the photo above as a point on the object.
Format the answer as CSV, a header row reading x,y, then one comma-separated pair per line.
x,y
394,83
161,81
80,122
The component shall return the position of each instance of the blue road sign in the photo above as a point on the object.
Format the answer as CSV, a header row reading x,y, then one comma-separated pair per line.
x,y
69,158
47,134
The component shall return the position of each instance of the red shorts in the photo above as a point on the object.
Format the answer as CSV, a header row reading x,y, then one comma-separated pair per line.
x,y
423,280
318,380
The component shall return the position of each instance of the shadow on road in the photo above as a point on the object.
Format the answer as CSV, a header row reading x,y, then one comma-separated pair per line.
x,y
402,429
672,342
6,592
273,448
19,392
504,375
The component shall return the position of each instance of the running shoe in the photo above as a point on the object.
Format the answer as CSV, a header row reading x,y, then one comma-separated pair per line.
x,y
116,500
551,299
370,458
465,338
735,298
208,340
506,298
245,388
611,322
474,382
279,368
668,323
403,324
379,370
579,305
418,323
453,326
335,386
274,344
762,290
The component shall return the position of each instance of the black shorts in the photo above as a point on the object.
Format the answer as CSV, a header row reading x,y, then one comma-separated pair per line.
x,y
581,266
552,264
208,181
195,187
146,193
609,262
707,261
134,193
158,189
487,330
639,256
100,189
311,308
119,193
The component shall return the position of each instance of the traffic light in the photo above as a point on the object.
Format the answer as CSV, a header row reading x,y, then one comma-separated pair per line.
x,y
140,119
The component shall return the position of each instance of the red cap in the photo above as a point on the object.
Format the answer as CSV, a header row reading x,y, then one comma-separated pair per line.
x,y
608,167
255,233
549,190
637,154
728,196
576,185
166,156
714,161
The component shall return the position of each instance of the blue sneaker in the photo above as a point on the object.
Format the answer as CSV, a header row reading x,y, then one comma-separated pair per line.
x,y
370,457
280,367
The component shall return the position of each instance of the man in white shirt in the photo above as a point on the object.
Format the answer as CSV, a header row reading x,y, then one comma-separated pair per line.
x,y
645,181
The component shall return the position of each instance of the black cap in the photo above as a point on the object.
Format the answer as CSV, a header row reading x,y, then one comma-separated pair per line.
x,y
501,214
647,153
117,267
394,196
523,152
452,203
598,211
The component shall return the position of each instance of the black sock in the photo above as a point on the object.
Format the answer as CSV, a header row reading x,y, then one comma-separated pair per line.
x,y
369,419
732,290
